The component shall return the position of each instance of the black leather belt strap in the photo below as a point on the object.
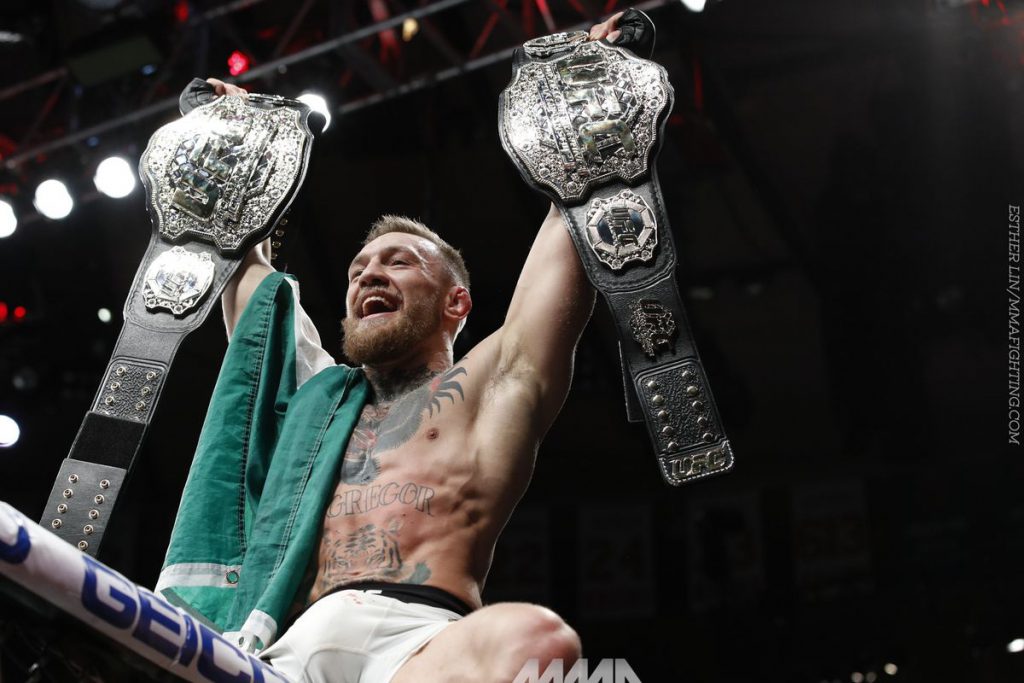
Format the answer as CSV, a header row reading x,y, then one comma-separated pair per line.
x,y
217,181
582,121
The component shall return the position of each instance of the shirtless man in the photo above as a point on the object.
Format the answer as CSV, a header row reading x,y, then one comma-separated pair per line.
x,y
442,452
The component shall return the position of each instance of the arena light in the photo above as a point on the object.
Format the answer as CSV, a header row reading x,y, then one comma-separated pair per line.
x,y
8,221
53,200
238,63
410,27
104,315
25,379
181,11
10,432
317,103
698,5
890,668
114,177
1016,645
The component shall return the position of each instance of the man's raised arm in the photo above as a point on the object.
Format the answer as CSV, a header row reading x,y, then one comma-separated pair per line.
x,y
256,264
550,307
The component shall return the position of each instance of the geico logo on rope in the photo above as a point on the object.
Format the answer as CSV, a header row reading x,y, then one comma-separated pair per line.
x,y
174,634
606,671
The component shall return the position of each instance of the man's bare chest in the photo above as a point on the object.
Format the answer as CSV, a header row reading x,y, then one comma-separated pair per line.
x,y
403,472
403,436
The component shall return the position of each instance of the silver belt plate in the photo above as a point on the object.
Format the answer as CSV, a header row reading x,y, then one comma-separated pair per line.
x,y
585,117
220,173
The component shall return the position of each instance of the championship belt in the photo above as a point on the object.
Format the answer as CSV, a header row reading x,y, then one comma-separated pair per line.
x,y
217,181
581,120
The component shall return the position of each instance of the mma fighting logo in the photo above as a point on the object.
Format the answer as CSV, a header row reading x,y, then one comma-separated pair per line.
x,y
607,671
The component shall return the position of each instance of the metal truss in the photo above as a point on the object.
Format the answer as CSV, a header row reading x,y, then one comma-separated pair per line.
x,y
353,48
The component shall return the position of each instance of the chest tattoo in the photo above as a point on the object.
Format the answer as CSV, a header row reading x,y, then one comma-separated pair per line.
x,y
385,427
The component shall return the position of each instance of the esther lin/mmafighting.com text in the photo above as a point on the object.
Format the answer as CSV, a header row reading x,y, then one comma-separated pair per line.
x,y
1013,290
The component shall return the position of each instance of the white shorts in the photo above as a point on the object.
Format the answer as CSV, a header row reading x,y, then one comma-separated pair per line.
x,y
353,636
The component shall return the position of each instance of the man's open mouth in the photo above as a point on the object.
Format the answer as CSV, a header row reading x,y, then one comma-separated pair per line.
x,y
377,305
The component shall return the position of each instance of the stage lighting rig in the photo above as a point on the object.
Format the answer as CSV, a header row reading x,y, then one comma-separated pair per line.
x,y
318,104
238,63
8,219
53,200
697,5
10,432
114,177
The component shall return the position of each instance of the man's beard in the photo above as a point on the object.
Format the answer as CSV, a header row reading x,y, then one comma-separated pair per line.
x,y
376,343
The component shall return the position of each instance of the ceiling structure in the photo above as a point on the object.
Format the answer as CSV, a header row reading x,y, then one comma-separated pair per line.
x,y
127,54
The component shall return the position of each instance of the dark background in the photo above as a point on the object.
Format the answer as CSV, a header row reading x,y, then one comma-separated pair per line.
x,y
837,176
